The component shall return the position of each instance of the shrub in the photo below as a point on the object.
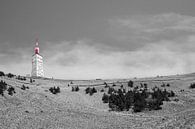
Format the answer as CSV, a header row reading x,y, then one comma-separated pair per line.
x,y
21,78
54,90
11,90
138,98
91,91
94,90
105,98
102,90
75,88
111,90
3,87
192,85
87,90
10,75
24,87
113,84
31,81
130,83
106,85
2,73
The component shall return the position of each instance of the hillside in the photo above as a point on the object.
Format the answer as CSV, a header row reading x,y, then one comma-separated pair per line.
x,y
38,108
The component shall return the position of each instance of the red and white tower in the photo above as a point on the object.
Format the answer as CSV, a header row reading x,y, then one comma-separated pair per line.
x,y
37,62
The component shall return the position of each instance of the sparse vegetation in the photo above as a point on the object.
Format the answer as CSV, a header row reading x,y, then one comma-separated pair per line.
x,y
3,87
106,85
24,87
102,90
130,83
2,73
105,98
90,91
138,98
192,85
54,90
10,75
21,78
75,88
31,81
11,90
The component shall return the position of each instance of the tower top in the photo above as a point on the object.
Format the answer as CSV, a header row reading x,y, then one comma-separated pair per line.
x,y
37,42
36,49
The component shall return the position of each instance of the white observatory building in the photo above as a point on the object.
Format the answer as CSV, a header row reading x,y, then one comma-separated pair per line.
x,y
37,62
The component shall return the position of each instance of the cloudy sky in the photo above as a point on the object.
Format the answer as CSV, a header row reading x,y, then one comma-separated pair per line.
x,y
87,39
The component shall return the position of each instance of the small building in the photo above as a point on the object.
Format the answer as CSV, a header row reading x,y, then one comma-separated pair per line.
x,y
37,62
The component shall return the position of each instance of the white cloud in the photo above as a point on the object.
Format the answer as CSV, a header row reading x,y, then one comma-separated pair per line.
x,y
85,61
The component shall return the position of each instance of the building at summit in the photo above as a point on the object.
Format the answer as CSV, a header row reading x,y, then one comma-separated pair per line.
x,y
37,62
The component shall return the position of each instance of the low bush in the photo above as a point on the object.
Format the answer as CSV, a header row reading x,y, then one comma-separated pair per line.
x,y
102,90
2,73
10,75
21,78
54,90
75,88
90,91
106,85
138,98
130,83
3,87
11,90
24,87
192,85
113,84
105,98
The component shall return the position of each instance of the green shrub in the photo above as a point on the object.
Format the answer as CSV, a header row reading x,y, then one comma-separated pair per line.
x,y
105,98
192,85
130,83
2,73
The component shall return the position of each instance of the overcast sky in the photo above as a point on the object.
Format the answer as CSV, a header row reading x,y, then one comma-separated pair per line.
x,y
87,39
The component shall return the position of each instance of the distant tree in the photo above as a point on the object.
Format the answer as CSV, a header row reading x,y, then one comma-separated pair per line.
x,y
54,90
11,90
130,83
105,98
31,81
94,90
23,87
2,73
90,91
106,85
138,98
3,87
139,102
87,90
111,90
113,84
77,88
10,75
192,85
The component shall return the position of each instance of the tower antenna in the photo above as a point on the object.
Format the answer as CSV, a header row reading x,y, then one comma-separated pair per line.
x,y
37,41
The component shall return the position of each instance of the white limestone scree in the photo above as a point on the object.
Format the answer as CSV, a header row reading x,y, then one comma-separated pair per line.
x,y
37,62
